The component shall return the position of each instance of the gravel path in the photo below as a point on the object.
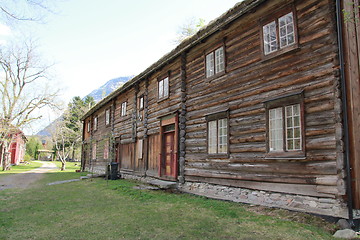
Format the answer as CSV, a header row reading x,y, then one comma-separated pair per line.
x,y
25,179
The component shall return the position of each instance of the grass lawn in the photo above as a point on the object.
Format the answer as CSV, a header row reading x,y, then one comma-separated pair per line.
x,y
100,209
22,167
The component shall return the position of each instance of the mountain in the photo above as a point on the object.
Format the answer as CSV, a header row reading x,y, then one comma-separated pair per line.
x,y
108,87
97,94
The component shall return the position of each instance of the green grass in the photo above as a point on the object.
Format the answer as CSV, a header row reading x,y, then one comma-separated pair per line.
x,y
99,209
22,167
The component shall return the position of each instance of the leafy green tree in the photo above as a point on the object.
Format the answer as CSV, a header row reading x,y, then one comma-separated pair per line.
x,y
32,145
68,132
188,29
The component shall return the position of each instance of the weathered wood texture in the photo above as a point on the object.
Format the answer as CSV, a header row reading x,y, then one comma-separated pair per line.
x,y
247,82
351,40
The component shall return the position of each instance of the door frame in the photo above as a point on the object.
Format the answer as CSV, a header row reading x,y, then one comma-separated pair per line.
x,y
164,122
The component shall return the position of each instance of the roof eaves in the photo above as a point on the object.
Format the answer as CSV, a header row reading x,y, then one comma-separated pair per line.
x,y
237,11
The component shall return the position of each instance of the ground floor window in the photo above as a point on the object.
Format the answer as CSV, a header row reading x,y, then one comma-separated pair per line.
x,y
217,133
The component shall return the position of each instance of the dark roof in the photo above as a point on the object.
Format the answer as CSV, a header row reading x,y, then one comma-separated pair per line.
x,y
214,26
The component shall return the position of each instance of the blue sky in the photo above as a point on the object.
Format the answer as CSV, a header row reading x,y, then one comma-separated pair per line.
x,y
93,41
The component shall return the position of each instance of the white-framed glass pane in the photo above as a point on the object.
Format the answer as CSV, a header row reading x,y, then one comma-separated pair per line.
x,y
161,89
141,102
107,116
88,126
270,38
286,30
166,87
219,60
95,123
212,137
94,151
223,135
293,127
123,109
210,64
275,129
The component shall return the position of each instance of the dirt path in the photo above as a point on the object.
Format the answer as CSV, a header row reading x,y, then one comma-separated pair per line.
x,y
25,179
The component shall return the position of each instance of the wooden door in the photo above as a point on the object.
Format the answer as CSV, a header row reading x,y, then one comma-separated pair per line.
x,y
169,155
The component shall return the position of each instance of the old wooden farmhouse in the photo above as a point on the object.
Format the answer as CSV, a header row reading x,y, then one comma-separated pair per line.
x,y
261,107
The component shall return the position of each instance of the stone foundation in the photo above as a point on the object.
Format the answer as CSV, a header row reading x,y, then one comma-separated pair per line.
x,y
322,206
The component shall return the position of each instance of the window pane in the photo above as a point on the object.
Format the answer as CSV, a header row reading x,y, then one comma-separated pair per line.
x,y
210,64
270,39
166,87
161,89
286,30
212,141
219,60
293,127
275,129
222,135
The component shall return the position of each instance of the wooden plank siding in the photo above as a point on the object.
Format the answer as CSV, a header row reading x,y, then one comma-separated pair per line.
x,y
248,81
251,84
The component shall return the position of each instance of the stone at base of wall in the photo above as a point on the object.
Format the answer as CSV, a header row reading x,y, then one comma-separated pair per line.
x,y
322,206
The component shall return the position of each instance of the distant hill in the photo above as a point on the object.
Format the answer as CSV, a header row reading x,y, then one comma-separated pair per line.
x,y
97,94
108,87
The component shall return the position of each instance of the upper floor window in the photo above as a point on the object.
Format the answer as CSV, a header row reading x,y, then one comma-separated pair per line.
x,y
107,116
163,88
123,109
217,125
88,126
141,102
215,62
95,123
285,127
279,33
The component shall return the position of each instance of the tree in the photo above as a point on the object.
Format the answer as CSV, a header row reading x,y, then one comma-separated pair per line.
x,y
188,29
23,91
68,132
32,145
24,10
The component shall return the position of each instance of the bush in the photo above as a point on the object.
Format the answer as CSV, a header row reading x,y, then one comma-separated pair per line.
x,y
27,158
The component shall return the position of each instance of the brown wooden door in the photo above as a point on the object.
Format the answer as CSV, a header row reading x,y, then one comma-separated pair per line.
x,y
169,155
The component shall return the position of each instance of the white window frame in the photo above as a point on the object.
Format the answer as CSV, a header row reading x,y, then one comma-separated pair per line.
x,y
279,33
107,116
95,123
218,134
215,62
285,128
123,109
163,88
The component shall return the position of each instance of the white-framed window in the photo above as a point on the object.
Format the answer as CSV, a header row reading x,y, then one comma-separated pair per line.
x,y
88,126
141,102
107,116
123,109
217,126
279,33
95,123
215,62
163,88
285,129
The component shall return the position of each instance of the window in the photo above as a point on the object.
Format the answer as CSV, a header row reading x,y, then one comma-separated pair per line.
x,y
164,88
285,128
217,126
215,62
94,151
95,123
123,109
107,117
141,102
279,33
88,126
